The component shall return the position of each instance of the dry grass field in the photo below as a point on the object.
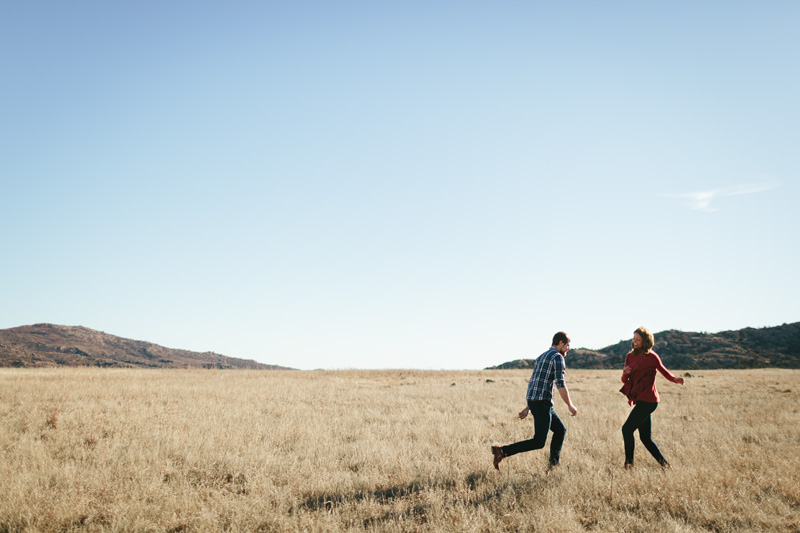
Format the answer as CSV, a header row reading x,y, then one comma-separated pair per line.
x,y
175,450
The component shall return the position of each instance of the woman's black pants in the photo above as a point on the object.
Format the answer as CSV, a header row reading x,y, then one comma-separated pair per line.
x,y
640,419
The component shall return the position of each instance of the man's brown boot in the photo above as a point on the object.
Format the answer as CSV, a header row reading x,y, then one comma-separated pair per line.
x,y
498,456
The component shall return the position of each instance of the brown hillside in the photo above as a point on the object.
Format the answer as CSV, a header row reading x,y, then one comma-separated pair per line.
x,y
48,345
777,347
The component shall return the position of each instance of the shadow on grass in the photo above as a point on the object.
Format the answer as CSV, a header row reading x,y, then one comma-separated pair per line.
x,y
328,501
485,489
407,501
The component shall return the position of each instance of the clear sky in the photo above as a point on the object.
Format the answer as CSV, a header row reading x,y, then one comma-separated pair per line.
x,y
412,184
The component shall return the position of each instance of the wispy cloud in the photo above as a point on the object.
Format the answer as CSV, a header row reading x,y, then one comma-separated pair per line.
x,y
701,200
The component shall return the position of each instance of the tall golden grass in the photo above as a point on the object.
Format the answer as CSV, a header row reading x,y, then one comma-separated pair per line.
x,y
174,450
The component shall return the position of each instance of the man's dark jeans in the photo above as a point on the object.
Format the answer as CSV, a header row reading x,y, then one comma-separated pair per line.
x,y
545,419
640,419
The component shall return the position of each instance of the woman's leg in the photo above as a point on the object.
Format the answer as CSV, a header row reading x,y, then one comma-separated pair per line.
x,y
645,436
639,415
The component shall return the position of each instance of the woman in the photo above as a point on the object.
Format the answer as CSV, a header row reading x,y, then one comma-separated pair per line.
x,y
639,378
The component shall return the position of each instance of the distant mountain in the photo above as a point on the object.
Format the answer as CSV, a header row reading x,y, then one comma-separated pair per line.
x,y
49,345
777,347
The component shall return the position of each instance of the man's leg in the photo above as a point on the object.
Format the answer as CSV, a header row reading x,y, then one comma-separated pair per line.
x,y
541,425
559,431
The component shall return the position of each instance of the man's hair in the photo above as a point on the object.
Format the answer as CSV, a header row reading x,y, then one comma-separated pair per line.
x,y
560,337
647,339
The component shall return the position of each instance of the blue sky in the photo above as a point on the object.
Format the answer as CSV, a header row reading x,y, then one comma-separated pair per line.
x,y
398,184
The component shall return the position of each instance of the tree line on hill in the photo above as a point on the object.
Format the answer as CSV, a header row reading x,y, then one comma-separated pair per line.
x,y
777,346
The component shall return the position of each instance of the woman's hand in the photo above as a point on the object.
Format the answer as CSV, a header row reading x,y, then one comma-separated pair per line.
x,y
626,370
679,381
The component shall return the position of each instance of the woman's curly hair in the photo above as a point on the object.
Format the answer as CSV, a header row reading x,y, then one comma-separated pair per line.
x,y
647,339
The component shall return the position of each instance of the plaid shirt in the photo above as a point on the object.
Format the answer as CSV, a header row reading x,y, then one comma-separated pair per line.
x,y
549,368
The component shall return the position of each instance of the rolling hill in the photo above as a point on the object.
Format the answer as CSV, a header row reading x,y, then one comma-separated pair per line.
x,y
777,346
50,345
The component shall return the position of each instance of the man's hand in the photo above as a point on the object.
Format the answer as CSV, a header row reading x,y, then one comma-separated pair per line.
x,y
567,400
522,414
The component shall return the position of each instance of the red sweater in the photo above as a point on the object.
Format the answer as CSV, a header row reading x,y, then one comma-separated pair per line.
x,y
640,383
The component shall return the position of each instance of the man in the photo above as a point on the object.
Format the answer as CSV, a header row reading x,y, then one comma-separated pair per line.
x,y
548,369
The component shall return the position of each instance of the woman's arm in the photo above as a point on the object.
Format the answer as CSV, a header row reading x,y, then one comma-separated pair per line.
x,y
666,373
626,372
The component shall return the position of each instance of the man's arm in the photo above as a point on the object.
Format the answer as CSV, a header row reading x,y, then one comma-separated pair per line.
x,y
564,392
561,384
